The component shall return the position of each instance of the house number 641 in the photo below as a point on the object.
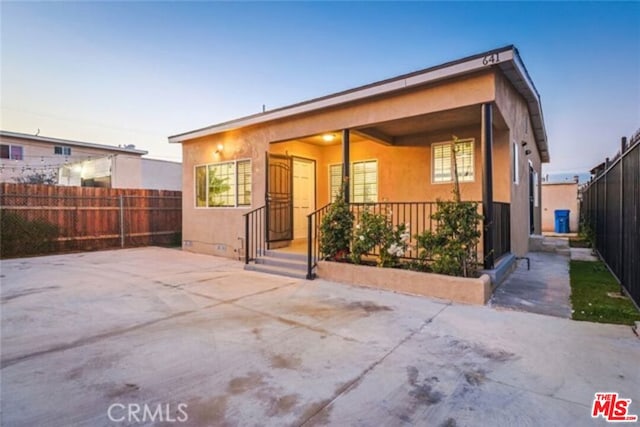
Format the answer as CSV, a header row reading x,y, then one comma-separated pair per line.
x,y
494,58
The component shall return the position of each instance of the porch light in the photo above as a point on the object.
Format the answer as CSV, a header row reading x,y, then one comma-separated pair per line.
x,y
220,147
328,137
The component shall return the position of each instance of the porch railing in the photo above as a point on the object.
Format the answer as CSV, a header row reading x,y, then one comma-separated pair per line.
x,y
313,239
416,215
254,234
501,229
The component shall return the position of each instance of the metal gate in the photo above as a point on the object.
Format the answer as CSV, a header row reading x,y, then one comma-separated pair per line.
x,y
279,198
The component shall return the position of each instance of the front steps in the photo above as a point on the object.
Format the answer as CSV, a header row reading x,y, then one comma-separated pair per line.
x,y
280,263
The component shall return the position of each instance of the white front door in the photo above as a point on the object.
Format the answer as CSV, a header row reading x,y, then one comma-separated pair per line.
x,y
303,195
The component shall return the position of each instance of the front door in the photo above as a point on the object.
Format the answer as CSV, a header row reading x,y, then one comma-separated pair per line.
x,y
303,195
279,198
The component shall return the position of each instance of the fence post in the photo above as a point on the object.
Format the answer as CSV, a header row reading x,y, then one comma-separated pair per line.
x,y
121,203
621,219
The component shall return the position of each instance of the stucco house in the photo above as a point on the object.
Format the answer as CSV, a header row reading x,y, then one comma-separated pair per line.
x,y
263,181
80,163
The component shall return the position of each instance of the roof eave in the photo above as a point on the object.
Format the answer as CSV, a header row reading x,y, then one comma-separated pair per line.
x,y
448,70
508,55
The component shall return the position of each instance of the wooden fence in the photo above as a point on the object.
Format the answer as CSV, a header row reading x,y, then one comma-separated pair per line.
x,y
37,219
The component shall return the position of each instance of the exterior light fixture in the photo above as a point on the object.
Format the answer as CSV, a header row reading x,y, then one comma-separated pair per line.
x,y
527,152
328,137
219,149
524,143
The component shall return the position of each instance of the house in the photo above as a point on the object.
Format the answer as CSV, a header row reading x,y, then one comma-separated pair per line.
x,y
560,195
77,163
262,181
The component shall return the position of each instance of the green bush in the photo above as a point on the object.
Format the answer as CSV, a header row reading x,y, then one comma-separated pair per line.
x,y
23,237
377,230
335,230
452,248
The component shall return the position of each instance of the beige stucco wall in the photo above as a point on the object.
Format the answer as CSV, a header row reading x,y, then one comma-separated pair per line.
x,y
39,154
404,172
220,230
514,111
560,196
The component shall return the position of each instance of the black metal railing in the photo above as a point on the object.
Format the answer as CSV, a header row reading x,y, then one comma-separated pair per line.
x,y
313,239
417,216
611,209
254,234
501,229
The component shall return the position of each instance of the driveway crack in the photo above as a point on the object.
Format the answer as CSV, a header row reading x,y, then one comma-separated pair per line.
x,y
357,380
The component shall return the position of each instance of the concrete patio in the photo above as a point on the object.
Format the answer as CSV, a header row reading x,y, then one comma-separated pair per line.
x,y
152,326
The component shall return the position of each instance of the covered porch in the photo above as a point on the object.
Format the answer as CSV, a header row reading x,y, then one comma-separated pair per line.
x,y
399,167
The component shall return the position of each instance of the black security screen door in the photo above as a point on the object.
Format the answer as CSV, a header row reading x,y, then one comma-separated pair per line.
x,y
279,198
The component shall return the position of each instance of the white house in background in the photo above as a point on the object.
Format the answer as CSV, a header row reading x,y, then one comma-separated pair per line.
x,y
77,163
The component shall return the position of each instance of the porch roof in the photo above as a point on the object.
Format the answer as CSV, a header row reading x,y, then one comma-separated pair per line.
x,y
510,64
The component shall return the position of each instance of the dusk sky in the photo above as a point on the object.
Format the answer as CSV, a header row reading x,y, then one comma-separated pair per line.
x,y
135,73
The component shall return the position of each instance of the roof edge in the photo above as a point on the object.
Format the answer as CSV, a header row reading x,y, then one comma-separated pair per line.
x,y
18,135
324,101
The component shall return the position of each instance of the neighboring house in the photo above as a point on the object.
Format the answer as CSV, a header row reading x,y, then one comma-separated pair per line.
x,y
76,163
396,137
561,195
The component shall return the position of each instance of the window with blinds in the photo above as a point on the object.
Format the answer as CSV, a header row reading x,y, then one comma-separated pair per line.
x,y
243,168
335,180
443,161
226,184
364,181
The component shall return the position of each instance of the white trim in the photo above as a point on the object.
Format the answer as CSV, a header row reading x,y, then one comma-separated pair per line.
x,y
206,165
351,180
515,163
451,142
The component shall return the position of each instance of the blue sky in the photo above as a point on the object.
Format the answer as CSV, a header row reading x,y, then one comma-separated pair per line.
x,y
121,73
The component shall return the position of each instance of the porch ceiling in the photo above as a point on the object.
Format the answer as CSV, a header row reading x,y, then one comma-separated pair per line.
x,y
428,123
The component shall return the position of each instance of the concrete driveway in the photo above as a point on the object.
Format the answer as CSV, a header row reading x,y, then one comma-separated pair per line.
x,y
157,336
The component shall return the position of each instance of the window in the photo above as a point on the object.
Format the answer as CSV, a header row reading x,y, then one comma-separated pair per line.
x,y
226,184
335,180
13,152
443,161
364,181
63,151
514,163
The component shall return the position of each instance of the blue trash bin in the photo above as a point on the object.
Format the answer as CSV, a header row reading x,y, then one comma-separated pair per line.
x,y
562,221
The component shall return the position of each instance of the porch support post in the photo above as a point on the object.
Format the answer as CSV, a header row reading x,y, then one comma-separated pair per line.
x,y
345,164
487,185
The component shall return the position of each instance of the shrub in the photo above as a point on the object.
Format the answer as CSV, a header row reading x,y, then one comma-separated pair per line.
x,y
335,230
377,230
452,247
23,237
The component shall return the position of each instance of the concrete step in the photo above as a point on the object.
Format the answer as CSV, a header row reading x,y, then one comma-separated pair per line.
x,y
290,263
280,271
285,255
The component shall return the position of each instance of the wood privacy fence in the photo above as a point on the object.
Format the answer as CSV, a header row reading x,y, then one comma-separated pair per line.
x,y
611,209
38,219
